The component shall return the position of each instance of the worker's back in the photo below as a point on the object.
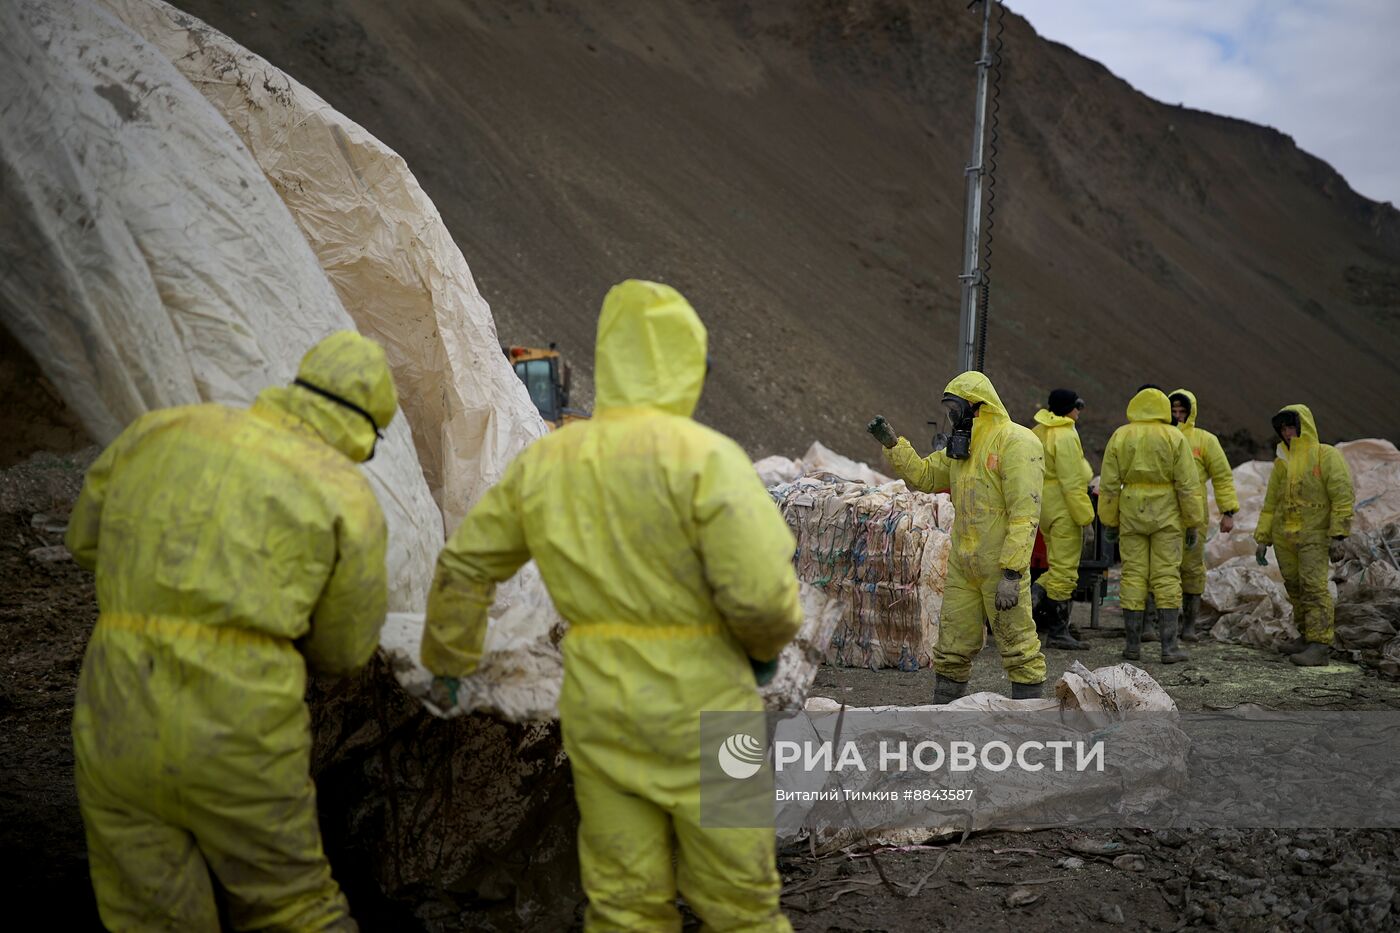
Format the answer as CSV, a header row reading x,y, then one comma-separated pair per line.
x,y
226,517
654,534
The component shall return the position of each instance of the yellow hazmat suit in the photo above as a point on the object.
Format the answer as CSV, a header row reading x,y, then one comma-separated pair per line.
x,y
662,549
1308,502
996,502
233,548
1065,507
1213,467
1149,491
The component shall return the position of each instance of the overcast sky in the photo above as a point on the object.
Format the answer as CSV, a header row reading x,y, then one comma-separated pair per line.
x,y
1326,72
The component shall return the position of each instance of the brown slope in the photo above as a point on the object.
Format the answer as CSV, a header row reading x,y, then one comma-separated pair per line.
x,y
796,169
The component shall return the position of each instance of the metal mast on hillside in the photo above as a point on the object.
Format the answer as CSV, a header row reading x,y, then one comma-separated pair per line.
x,y
972,324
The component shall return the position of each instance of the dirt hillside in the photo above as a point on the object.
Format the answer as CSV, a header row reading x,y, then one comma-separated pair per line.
x,y
796,169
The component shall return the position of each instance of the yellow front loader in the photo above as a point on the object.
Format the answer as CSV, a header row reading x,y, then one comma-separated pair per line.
x,y
546,378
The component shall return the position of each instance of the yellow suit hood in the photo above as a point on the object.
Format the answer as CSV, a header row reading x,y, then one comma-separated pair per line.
x,y
1307,428
351,367
1150,405
650,351
1048,419
1190,421
975,387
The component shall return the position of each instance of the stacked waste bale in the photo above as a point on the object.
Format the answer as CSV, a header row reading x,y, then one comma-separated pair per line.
x,y
882,553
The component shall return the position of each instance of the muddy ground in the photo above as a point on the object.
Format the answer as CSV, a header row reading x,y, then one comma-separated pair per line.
x,y
1260,879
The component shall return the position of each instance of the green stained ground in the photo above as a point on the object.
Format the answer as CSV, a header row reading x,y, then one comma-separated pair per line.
x,y
1218,676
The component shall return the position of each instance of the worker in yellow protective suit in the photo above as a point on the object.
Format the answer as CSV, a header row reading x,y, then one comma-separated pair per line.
x,y
673,567
1150,502
995,469
234,548
1065,509
1306,516
1212,467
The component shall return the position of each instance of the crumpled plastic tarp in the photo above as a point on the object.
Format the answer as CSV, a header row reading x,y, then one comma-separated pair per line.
x,y
776,469
822,459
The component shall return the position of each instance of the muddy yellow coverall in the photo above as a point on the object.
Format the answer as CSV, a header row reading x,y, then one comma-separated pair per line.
x,y
1065,507
1149,491
673,567
233,548
1211,467
996,501
1309,501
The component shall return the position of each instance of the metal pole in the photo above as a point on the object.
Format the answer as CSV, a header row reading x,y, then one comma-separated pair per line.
x,y
971,278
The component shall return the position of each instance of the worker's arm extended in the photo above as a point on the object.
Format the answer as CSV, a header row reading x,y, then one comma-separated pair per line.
x,y
926,474
1022,475
1073,475
486,549
346,621
747,551
1340,493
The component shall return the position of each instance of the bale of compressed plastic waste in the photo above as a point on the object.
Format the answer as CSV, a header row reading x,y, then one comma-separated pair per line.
x,y
882,553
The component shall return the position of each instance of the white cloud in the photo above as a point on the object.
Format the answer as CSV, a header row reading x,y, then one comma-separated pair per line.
x,y
1323,71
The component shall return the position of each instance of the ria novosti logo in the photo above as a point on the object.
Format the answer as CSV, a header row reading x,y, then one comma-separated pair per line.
x,y
741,756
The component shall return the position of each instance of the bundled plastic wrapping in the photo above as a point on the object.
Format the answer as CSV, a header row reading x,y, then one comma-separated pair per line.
x,y
882,553
148,261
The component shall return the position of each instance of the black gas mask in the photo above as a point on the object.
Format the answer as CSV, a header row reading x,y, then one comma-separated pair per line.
x,y
1286,419
957,443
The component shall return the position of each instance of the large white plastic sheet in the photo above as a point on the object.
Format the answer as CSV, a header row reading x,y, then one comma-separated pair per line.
x,y
151,260
390,259
148,262
383,246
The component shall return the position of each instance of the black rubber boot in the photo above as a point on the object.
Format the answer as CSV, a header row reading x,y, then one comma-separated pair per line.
x,y
1132,631
1294,646
1058,635
1149,620
1315,654
1041,609
1028,691
1190,605
1172,653
946,690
